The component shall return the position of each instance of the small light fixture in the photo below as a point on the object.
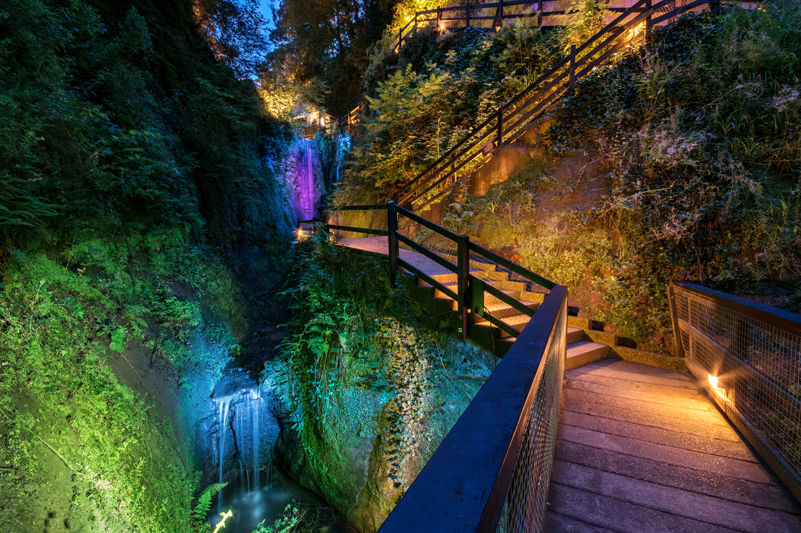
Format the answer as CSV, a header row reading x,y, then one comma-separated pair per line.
x,y
442,27
713,380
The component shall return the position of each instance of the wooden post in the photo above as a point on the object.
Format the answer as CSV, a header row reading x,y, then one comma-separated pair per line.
x,y
400,39
674,315
467,13
540,7
572,65
392,230
500,128
462,274
439,17
500,14
415,22
716,7
648,21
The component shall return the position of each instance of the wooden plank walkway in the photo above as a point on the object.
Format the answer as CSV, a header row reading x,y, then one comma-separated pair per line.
x,y
380,245
640,450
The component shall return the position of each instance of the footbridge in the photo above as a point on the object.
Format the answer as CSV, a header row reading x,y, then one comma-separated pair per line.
x,y
567,435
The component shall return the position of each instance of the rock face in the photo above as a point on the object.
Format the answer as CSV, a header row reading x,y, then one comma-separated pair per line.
x,y
239,432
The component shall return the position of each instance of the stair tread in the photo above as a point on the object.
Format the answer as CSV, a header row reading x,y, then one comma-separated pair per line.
x,y
515,320
582,347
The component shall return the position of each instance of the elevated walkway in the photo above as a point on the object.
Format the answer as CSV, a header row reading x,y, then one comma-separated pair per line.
x,y
640,449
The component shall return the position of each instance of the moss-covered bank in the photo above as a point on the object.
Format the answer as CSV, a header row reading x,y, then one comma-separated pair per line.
x,y
371,390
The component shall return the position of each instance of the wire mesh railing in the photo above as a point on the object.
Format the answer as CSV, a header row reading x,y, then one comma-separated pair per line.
x,y
492,471
501,449
748,356
526,502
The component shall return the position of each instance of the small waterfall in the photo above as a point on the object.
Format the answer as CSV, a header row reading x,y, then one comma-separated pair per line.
x,y
307,186
238,413
256,445
224,405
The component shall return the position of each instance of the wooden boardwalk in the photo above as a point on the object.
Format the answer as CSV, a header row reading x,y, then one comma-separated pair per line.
x,y
640,450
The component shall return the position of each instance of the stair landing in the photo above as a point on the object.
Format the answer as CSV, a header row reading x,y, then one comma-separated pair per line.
x,y
639,449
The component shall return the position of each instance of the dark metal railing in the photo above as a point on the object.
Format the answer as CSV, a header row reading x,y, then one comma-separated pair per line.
x,y
448,253
509,121
492,471
748,357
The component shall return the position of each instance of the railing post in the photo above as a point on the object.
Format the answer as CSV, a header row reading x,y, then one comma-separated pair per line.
x,y
648,21
540,7
572,65
467,13
716,7
500,13
500,128
400,39
462,274
392,230
439,18
674,315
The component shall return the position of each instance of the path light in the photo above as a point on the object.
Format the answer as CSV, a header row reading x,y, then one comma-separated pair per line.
x,y
225,516
713,380
636,30
441,27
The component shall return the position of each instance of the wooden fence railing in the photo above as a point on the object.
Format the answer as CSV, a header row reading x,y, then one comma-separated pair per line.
x,y
509,122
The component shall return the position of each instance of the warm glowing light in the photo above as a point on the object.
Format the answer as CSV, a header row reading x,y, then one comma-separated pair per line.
x,y
442,27
225,516
636,30
713,380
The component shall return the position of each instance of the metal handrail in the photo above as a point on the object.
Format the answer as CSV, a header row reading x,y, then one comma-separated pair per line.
x,y
472,483
747,356
448,168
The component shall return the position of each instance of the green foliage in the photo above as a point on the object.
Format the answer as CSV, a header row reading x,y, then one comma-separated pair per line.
x,y
440,89
204,501
364,374
66,327
105,122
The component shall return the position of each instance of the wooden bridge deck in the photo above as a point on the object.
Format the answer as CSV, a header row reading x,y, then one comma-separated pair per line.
x,y
639,450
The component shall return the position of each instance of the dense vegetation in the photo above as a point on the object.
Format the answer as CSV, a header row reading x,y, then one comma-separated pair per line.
x,y
372,388
693,141
134,165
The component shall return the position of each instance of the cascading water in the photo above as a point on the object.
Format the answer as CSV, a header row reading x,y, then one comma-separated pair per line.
x,y
306,182
236,440
243,423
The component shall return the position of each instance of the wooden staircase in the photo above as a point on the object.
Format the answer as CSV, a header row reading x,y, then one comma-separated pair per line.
x,y
581,348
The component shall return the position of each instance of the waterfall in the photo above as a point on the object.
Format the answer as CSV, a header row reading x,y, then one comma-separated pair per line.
x,y
256,396
239,412
224,404
306,182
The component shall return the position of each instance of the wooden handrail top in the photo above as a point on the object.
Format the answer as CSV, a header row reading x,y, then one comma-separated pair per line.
x,y
786,320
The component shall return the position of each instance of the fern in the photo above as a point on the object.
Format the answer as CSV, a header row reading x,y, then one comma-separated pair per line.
x,y
204,500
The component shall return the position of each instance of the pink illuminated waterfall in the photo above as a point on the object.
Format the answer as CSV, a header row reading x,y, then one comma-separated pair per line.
x,y
306,194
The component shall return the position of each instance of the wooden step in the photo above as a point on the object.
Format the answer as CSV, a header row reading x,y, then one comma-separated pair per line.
x,y
583,352
574,335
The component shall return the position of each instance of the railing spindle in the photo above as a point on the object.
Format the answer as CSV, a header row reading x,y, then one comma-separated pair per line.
x,y
573,64
462,273
392,230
